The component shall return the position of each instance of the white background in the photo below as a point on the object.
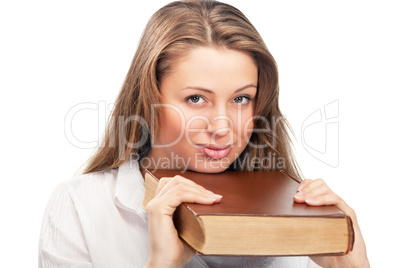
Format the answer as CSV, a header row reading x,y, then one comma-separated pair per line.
x,y
55,55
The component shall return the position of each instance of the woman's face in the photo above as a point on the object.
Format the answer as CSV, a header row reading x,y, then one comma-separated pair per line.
x,y
208,100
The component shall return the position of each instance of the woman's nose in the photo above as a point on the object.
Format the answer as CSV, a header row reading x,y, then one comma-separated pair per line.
x,y
221,124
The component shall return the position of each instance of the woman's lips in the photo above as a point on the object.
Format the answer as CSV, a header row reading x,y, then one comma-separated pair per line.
x,y
216,152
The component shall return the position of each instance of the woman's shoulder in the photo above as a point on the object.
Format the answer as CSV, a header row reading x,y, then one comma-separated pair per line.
x,y
91,179
103,186
88,186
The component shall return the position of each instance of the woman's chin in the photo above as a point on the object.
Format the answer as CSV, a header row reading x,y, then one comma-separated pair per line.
x,y
209,167
207,170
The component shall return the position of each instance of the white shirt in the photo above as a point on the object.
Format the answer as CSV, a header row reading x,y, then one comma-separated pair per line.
x,y
97,220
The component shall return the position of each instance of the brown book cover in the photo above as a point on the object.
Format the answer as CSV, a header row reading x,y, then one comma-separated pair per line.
x,y
257,216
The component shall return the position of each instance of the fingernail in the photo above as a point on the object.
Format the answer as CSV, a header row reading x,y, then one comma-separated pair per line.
x,y
215,195
311,201
299,187
299,194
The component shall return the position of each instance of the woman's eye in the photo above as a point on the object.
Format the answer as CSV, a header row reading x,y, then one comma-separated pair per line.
x,y
242,99
195,99
198,99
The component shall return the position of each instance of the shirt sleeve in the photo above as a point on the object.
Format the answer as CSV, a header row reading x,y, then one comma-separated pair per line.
x,y
62,242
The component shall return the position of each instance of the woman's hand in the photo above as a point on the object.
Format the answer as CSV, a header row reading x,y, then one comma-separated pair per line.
x,y
317,193
166,248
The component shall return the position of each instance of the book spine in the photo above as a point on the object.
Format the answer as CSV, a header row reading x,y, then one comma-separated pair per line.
x,y
351,235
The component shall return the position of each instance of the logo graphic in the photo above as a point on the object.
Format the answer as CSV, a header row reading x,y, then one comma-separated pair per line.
x,y
99,110
320,134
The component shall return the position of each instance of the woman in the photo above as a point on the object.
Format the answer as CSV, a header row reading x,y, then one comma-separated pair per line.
x,y
201,94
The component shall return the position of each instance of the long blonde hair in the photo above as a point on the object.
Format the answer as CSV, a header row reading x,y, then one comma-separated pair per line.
x,y
171,32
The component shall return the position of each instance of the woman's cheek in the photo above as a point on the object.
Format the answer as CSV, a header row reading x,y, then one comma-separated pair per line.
x,y
196,128
245,127
172,125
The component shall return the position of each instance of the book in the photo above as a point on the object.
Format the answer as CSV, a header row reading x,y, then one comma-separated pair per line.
x,y
256,217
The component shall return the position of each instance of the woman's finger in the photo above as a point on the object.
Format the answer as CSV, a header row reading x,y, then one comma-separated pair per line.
x,y
303,184
166,203
312,189
312,192
313,184
323,200
166,183
185,193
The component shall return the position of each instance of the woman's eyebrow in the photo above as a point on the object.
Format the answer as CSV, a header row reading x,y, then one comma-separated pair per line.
x,y
211,92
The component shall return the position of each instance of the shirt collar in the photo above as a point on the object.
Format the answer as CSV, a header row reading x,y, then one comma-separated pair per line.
x,y
130,188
